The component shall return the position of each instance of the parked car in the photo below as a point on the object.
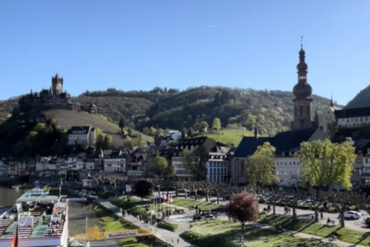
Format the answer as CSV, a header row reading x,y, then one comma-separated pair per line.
x,y
367,221
197,217
352,215
209,216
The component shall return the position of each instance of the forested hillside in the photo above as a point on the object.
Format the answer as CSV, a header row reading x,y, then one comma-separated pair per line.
x,y
362,99
162,108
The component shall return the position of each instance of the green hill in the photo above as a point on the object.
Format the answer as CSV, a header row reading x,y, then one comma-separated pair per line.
x,y
228,136
162,108
66,119
170,108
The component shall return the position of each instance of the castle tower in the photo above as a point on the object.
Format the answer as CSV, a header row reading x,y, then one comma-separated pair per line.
x,y
56,85
302,101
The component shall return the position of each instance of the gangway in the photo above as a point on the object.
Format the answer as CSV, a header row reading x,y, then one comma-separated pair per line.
x,y
94,234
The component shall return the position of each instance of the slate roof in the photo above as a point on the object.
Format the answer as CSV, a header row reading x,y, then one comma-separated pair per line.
x,y
248,145
284,142
289,141
353,112
79,129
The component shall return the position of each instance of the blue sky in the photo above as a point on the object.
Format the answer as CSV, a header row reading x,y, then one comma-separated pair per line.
x,y
138,45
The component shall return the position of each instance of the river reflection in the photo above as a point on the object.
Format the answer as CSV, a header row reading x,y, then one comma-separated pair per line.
x,y
8,196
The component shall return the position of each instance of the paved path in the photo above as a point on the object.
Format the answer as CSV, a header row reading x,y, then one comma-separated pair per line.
x,y
162,234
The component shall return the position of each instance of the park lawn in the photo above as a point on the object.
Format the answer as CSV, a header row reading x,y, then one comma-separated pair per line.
x,y
182,202
109,221
217,233
317,229
228,136
147,241
123,203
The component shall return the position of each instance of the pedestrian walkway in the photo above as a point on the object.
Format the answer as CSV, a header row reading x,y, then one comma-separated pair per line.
x,y
169,237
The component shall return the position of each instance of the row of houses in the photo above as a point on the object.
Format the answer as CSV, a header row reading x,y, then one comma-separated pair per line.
x,y
223,165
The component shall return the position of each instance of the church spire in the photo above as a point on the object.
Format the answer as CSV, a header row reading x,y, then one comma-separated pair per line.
x,y
331,101
302,92
302,89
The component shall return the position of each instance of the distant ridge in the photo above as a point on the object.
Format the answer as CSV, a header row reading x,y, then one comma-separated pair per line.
x,y
174,109
362,99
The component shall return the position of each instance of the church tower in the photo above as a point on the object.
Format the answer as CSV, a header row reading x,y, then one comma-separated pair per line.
x,y
302,101
56,85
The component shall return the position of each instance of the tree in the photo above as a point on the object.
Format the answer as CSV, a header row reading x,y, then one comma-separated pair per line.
x,y
161,167
195,162
243,207
261,166
102,140
204,126
324,164
108,142
216,124
143,188
121,124
159,132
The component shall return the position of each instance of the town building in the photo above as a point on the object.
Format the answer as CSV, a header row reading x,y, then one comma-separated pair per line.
x,y
353,117
188,144
3,169
81,136
328,121
180,170
114,165
140,161
218,166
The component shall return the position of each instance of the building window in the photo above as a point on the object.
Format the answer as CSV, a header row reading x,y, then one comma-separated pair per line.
x,y
301,110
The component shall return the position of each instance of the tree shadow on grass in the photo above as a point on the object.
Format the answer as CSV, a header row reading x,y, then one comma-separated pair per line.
x,y
334,232
363,237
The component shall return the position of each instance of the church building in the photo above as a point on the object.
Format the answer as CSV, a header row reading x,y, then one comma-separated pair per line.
x,y
303,128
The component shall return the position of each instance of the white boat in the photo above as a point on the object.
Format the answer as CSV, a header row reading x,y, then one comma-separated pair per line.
x,y
39,220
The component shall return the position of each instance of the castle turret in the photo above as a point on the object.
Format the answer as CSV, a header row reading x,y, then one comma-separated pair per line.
x,y
56,85
302,92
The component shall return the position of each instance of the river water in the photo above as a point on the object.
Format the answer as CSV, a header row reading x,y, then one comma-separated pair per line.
x,y
8,196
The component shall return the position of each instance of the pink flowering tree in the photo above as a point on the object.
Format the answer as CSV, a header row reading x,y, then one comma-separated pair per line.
x,y
243,207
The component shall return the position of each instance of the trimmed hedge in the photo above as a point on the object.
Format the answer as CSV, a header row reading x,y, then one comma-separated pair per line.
x,y
168,226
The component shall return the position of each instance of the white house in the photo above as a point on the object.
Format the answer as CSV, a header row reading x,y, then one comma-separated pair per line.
x,y
81,135
288,171
217,168
114,165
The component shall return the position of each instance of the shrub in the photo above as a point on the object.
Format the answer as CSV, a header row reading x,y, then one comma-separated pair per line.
x,y
168,226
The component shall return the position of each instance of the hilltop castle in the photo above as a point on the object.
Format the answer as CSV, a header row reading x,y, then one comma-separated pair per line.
x,y
54,98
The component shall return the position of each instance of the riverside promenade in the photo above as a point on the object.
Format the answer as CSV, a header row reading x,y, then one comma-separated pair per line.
x,y
169,237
